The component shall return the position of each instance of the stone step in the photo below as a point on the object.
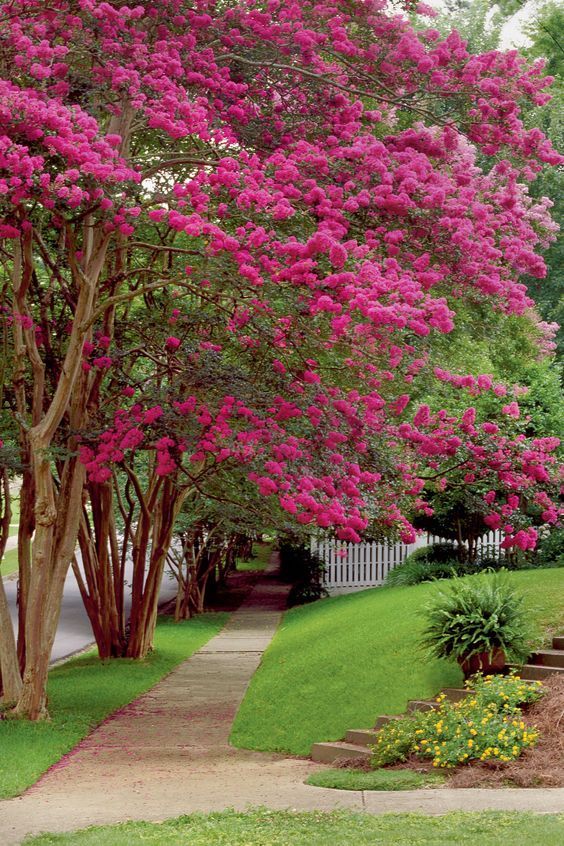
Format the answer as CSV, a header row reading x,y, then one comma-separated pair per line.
x,y
422,705
361,737
548,657
328,753
381,721
558,642
536,672
455,694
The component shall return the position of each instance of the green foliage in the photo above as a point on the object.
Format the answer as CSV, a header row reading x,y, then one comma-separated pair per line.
x,y
84,691
304,570
418,567
478,614
476,21
550,551
436,561
439,553
350,779
486,725
263,827
343,661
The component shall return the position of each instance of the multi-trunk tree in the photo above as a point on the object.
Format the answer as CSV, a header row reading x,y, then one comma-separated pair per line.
x,y
315,185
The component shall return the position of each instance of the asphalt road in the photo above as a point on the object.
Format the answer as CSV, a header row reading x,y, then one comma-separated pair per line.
x,y
74,631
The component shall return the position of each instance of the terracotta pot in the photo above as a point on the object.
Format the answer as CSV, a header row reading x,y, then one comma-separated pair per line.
x,y
483,662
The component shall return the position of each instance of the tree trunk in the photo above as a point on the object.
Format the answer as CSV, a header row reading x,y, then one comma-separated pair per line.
x,y
57,513
156,521
53,551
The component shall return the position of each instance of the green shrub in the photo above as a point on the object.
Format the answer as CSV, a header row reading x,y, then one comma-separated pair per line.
x,y
477,614
486,725
304,570
550,551
414,571
439,553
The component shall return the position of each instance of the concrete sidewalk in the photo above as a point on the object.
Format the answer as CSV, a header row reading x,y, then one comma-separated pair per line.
x,y
168,753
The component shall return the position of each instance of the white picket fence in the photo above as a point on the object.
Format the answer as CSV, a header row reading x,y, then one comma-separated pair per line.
x,y
356,566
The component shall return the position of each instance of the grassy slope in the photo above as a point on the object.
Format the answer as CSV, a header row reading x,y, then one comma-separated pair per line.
x,y
280,828
83,691
341,662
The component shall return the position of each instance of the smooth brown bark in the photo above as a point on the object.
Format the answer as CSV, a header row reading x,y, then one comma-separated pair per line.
x,y
57,505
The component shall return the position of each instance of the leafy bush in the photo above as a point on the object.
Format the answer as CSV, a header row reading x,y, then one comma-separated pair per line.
x,y
435,553
304,570
486,725
414,571
439,561
478,614
550,551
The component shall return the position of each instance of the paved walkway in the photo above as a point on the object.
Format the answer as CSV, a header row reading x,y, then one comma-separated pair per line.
x,y
168,753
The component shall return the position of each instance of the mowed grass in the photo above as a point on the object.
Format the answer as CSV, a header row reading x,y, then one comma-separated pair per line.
x,y
9,563
341,662
349,779
85,690
260,559
341,828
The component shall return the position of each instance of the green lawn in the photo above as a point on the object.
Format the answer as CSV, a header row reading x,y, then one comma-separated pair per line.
x,y
83,691
14,520
261,557
347,779
339,828
9,563
341,662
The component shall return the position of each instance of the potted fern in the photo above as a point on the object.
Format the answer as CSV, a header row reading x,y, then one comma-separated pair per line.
x,y
480,621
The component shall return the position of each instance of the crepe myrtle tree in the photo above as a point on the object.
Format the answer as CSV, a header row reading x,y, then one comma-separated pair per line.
x,y
218,427
323,150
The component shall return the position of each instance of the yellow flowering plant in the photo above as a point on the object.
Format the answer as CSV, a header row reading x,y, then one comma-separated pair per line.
x,y
486,725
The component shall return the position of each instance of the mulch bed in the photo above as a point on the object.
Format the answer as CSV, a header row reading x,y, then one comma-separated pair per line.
x,y
541,766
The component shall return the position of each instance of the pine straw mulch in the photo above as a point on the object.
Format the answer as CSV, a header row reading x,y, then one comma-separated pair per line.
x,y
541,766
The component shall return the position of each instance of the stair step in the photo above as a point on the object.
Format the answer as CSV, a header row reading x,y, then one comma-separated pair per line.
x,y
381,721
422,705
558,642
455,694
548,657
536,672
361,737
327,753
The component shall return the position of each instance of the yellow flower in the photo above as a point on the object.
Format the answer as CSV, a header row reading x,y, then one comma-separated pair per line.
x,y
470,743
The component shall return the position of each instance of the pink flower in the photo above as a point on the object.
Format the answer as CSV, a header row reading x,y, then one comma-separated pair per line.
x,y
512,410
